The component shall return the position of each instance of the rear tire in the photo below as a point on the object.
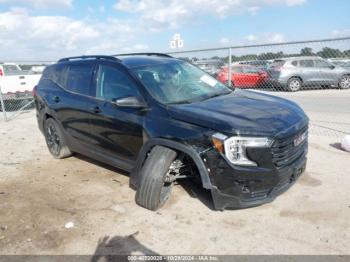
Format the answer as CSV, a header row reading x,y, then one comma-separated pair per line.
x,y
294,84
344,82
153,190
55,140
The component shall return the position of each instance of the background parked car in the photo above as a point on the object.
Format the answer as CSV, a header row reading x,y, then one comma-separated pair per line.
x,y
293,73
16,84
243,76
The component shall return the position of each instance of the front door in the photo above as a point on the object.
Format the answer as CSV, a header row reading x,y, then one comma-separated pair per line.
x,y
116,131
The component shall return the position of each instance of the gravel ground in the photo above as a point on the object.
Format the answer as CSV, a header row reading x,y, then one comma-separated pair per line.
x,y
79,206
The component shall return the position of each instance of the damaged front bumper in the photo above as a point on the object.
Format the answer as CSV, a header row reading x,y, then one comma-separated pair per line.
x,y
243,187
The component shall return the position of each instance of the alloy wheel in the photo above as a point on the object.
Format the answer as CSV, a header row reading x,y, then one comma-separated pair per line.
x,y
345,82
53,139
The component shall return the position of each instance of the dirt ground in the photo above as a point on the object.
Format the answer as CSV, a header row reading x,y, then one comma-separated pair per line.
x,y
40,195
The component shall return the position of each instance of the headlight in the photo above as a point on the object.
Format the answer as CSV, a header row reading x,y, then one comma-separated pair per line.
x,y
235,147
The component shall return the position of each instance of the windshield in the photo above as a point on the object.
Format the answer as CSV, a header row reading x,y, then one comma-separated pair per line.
x,y
179,82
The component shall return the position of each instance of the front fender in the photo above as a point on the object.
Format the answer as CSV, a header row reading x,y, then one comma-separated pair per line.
x,y
135,177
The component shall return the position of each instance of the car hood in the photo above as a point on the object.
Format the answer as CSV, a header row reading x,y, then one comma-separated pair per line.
x,y
243,113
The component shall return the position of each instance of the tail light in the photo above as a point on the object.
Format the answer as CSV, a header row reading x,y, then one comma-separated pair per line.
x,y
1,73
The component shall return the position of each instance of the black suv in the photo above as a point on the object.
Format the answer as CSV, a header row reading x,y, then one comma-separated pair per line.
x,y
162,119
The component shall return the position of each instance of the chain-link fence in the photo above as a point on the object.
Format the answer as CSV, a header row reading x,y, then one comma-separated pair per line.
x,y
291,66
315,74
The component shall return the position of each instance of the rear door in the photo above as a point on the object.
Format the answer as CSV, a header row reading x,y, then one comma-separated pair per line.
x,y
116,131
308,71
72,101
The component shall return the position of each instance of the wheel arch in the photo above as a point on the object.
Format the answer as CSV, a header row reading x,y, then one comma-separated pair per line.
x,y
135,177
296,76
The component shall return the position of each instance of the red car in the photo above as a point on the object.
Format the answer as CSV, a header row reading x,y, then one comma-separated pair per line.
x,y
243,76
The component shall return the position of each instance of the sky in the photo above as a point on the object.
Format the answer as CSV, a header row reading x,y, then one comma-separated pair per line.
x,y
49,29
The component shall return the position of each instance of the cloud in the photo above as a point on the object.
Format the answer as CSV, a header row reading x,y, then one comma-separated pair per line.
x,y
295,2
29,37
341,33
160,14
224,41
40,4
265,38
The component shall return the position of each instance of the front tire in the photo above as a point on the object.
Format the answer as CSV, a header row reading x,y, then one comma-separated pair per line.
x,y
294,84
55,140
344,82
154,190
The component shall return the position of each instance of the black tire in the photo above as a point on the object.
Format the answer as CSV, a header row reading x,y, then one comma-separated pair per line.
x,y
153,190
344,82
294,84
55,140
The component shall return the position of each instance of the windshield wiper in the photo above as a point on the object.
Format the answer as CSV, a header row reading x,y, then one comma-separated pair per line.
x,y
216,95
180,102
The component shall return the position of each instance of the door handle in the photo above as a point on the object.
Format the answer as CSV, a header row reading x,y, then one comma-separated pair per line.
x,y
96,109
56,99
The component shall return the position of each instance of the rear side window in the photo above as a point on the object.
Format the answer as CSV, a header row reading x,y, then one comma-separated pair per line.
x,y
79,78
306,63
11,70
113,83
55,73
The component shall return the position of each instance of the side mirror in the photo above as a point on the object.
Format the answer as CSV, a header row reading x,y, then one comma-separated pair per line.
x,y
130,101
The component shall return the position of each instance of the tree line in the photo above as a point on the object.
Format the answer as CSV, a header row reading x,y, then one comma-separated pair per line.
x,y
326,52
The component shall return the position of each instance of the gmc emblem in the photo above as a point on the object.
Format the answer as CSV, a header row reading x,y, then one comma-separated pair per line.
x,y
300,139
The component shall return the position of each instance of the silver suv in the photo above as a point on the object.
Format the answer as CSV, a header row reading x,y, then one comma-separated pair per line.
x,y
293,73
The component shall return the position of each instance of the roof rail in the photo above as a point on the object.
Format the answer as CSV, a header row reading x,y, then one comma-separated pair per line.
x,y
148,54
89,57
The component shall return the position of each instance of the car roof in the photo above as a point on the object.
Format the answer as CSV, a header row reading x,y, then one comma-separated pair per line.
x,y
297,58
128,60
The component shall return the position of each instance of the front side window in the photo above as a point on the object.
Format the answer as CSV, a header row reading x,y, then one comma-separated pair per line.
x,y
113,83
79,78
179,82
251,70
322,64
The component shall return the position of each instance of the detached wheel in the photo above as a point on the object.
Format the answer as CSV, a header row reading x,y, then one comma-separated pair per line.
x,y
156,184
54,140
344,82
294,84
